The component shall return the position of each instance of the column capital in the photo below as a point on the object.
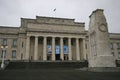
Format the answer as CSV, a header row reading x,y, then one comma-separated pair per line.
x,y
69,37
83,38
61,37
44,36
36,36
53,36
28,36
77,38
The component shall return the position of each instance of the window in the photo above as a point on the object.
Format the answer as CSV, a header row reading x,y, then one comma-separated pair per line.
x,y
64,42
86,46
111,45
13,53
48,41
57,41
4,41
73,42
3,52
113,53
119,54
21,56
118,45
22,44
15,42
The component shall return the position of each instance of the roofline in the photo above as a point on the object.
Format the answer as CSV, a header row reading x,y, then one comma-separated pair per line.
x,y
54,17
27,18
115,33
8,27
79,23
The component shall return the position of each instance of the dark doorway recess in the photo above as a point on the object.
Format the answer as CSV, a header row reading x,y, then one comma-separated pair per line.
x,y
57,56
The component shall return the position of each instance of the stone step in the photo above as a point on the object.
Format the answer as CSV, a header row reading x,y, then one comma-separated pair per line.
x,y
45,65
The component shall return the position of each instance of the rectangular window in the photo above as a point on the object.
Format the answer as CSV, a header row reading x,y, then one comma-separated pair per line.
x,y
111,45
21,56
48,41
22,44
4,41
86,46
3,52
15,42
113,53
118,54
64,42
118,45
13,53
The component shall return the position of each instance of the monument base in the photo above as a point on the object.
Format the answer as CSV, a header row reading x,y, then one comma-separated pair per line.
x,y
102,61
101,69
104,69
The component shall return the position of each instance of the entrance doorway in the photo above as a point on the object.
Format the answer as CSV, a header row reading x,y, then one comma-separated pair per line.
x,y
57,56
57,52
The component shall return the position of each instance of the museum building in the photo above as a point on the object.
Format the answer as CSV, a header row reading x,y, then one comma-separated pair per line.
x,y
51,39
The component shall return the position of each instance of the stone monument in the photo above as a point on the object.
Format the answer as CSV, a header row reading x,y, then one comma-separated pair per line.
x,y
100,52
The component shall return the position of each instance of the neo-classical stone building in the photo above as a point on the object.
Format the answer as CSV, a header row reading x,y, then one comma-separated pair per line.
x,y
50,39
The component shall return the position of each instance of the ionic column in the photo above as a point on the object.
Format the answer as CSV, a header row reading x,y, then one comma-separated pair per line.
x,y
84,49
27,47
61,49
36,48
44,48
77,49
53,48
69,47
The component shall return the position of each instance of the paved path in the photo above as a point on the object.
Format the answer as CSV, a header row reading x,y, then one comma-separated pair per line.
x,y
56,74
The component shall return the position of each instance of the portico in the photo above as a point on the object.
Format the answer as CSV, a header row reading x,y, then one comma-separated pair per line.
x,y
54,48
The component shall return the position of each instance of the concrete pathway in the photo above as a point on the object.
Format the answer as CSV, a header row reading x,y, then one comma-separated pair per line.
x,y
56,74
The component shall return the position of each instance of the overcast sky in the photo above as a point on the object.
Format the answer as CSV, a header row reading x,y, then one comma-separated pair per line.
x,y
12,10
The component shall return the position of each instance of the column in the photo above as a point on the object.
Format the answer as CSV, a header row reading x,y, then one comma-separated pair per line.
x,y
44,48
61,49
36,48
115,50
84,49
27,47
77,49
69,46
53,48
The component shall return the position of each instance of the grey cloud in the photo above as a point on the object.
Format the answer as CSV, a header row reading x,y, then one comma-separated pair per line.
x,y
13,10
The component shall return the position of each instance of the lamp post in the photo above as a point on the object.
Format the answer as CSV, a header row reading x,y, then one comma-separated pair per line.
x,y
3,47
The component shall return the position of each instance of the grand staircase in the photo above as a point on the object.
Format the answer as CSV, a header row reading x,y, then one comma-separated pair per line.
x,y
58,70
47,65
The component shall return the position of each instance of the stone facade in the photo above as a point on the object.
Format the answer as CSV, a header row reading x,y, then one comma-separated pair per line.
x,y
37,39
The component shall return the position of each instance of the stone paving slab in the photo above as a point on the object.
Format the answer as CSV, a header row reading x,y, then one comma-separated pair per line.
x,y
57,74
